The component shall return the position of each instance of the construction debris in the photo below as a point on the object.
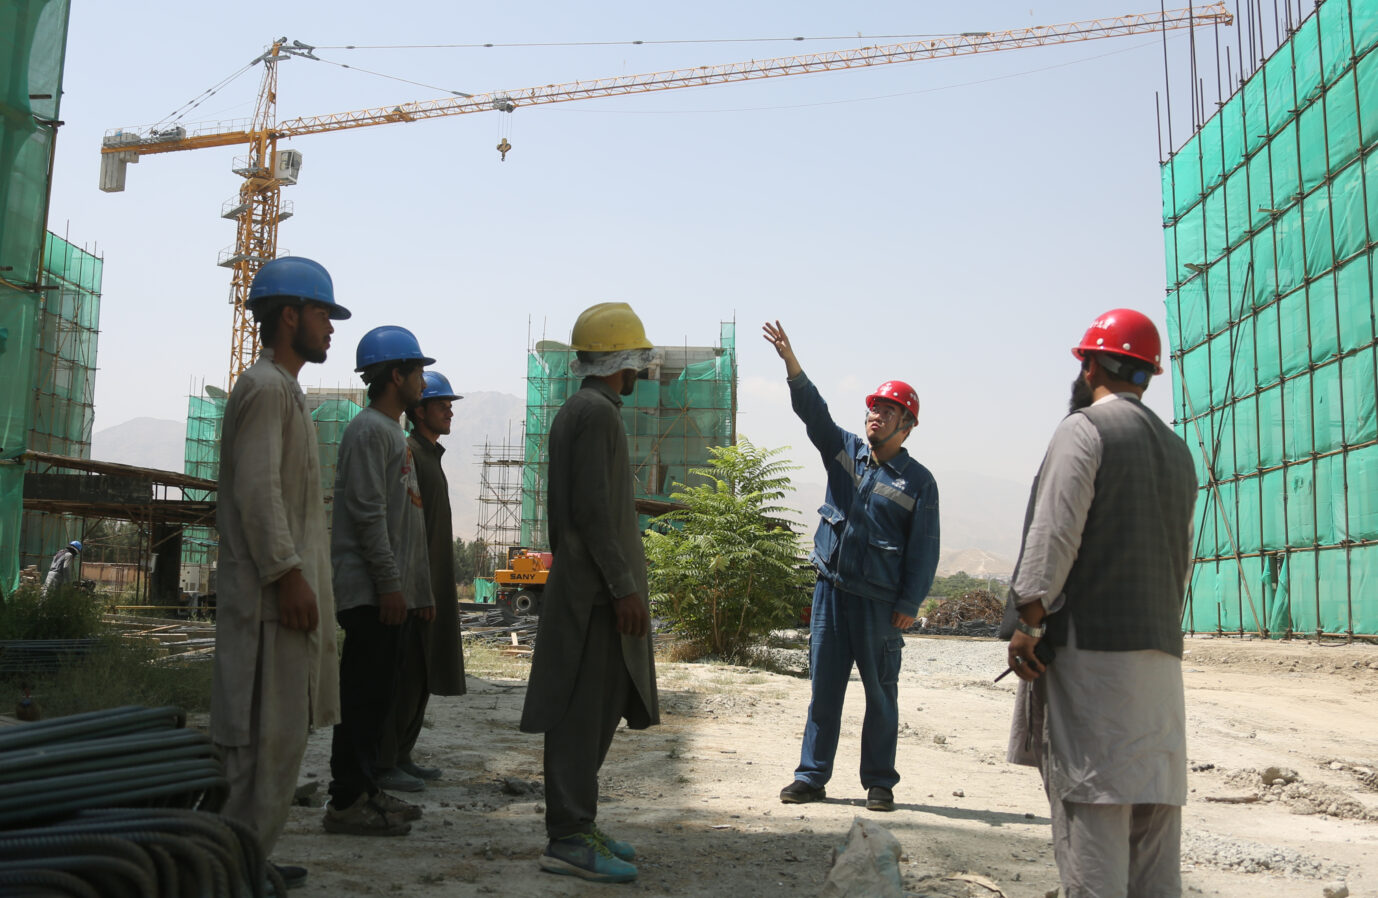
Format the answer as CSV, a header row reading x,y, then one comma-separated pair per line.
x,y
976,613
868,867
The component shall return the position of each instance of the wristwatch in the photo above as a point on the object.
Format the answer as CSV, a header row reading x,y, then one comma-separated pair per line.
x,y
1035,632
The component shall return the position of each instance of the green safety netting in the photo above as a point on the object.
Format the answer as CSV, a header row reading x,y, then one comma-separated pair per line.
x,y
1271,218
485,591
64,382
201,458
33,38
672,420
332,416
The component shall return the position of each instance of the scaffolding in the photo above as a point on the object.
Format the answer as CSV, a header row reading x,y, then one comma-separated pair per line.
x,y
500,495
64,383
1270,212
679,410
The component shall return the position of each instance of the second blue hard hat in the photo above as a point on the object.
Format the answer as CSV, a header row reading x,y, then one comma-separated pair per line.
x,y
295,278
389,343
438,387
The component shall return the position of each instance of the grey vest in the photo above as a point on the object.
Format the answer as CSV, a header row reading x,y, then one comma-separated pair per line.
x,y
1125,588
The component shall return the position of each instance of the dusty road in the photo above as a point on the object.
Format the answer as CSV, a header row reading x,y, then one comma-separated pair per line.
x,y
698,795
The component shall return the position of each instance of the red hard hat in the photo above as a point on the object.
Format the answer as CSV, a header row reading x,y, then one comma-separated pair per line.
x,y
898,392
1123,332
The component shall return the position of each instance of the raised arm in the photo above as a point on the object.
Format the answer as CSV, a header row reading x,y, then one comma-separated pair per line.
x,y
775,335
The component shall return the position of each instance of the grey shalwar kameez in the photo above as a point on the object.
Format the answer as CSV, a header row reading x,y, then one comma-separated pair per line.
x,y
1107,729
585,676
270,683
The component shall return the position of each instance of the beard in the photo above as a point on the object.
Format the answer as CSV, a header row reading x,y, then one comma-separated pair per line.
x,y
1081,395
314,354
628,382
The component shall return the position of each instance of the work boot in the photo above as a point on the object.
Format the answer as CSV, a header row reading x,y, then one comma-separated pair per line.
x,y
292,877
622,850
395,779
405,810
364,818
800,792
407,766
879,798
584,855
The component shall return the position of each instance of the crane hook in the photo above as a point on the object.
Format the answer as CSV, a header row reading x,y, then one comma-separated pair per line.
x,y
503,147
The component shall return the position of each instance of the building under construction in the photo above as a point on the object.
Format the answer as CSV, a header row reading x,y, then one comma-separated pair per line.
x,y
685,405
1270,211
64,351
331,409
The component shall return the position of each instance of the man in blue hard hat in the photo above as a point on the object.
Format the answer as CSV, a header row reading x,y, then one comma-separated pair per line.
x,y
275,669
432,657
60,571
381,575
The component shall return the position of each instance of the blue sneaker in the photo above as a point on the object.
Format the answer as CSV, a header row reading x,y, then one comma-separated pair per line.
x,y
586,856
623,850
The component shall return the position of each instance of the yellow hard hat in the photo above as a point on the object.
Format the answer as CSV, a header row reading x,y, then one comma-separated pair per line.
x,y
608,327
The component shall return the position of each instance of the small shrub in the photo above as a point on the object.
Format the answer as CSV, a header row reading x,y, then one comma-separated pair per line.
x,y
119,672
67,612
726,569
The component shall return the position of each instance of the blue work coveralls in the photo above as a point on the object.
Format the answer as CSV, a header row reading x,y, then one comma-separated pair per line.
x,y
876,551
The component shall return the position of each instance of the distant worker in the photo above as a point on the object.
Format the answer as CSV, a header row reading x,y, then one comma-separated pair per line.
x,y
275,665
1104,562
876,551
60,571
594,661
432,656
382,579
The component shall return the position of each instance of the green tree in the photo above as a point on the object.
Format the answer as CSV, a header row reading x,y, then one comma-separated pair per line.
x,y
727,568
464,561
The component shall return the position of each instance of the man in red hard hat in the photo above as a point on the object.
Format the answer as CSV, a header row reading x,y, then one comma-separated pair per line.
x,y
876,550
1105,558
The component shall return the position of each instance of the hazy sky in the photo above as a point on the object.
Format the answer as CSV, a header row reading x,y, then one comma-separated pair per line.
x,y
955,223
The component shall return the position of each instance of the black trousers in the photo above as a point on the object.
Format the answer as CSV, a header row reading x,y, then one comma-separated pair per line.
x,y
368,679
576,747
412,695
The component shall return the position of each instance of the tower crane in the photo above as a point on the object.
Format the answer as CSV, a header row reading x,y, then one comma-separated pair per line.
x,y
258,209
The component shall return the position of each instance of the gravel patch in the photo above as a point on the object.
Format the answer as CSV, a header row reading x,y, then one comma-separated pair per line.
x,y
960,658
1236,855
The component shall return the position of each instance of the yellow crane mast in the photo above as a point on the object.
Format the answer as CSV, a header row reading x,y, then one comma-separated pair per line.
x,y
259,210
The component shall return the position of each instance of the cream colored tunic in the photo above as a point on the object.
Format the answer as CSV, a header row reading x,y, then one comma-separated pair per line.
x,y
271,518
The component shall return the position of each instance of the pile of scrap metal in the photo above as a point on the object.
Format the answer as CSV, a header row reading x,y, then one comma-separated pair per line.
x,y
975,613
120,802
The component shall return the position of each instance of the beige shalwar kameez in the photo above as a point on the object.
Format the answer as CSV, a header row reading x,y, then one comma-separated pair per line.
x,y
271,683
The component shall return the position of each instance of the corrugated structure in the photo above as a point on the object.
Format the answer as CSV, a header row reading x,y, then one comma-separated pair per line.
x,y
685,406
1271,218
64,382
331,409
33,45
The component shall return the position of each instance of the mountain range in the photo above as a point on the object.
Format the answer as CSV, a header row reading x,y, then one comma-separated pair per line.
x,y
981,514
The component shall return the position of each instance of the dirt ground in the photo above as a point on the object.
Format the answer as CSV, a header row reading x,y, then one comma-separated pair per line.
x,y
698,794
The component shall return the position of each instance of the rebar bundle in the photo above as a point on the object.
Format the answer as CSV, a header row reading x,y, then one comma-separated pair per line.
x,y
117,803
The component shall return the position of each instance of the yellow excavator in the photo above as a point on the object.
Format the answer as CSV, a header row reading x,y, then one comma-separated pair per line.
x,y
520,584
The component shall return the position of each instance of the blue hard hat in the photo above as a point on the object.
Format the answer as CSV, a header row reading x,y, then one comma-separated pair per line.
x,y
293,277
438,387
389,343
75,544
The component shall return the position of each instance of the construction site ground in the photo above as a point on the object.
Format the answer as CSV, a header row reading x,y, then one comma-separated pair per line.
x,y
698,795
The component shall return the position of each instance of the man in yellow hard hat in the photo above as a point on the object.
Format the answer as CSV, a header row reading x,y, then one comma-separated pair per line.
x,y
594,663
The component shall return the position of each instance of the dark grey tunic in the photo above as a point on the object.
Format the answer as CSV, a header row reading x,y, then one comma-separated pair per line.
x,y
596,538
444,653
